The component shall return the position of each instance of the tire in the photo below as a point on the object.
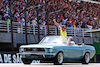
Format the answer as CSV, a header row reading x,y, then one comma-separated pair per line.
x,y
86,59
58,60
26,61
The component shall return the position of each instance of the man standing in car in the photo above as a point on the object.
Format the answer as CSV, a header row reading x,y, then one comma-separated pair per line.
x,y
62,29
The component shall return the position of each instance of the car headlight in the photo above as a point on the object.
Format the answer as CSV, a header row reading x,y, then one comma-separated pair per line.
x,y
22,50
50,50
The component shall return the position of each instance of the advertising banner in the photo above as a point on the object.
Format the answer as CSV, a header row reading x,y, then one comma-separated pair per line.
x,y
13,58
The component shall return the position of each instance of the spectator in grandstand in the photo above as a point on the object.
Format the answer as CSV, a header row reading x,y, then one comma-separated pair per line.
x,y
8,20
34,22
18,19
62,29
23,20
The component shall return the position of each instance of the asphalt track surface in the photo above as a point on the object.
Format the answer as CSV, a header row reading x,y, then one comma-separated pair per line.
x,y
49,65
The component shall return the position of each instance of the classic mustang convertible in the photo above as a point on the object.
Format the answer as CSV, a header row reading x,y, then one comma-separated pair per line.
x,y
58,49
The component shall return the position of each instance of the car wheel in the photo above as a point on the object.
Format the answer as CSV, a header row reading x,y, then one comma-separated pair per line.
x,y
26,61
58,60
86,59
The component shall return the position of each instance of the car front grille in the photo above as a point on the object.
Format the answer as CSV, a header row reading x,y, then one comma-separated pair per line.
x,y
34,49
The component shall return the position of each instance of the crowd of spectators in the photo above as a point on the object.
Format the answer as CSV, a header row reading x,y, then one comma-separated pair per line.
x,y
72,14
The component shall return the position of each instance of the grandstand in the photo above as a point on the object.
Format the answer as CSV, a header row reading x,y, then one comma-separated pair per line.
x,y
73,12
78,16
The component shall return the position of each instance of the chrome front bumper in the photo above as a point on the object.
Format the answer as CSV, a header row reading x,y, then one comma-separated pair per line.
x,y
26,53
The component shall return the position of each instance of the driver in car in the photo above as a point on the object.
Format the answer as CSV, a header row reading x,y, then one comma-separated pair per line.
x,y
71,43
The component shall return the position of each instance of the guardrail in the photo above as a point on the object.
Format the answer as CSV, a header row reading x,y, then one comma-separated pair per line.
x,y
33,29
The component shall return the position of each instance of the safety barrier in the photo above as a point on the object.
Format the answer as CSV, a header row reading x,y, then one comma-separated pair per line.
x,y
33,29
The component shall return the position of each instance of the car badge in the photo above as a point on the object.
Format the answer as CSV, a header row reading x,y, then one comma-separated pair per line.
x,y
34,49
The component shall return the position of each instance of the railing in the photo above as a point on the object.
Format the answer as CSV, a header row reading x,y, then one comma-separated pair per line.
x,y
33,29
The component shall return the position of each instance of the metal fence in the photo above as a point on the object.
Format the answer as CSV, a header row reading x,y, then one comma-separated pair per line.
x,y
33,29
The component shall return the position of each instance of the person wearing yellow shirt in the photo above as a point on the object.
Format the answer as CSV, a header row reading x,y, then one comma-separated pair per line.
x,y
62,29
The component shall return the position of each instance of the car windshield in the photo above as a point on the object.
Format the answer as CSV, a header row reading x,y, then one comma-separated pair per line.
x,y
55,39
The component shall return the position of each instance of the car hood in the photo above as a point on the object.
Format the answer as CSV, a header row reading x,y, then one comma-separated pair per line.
x,y
38,46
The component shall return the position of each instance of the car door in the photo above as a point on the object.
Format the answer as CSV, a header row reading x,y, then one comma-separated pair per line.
x,y
74,52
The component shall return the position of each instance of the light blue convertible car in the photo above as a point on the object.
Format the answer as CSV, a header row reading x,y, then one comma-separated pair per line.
x,y
58,49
